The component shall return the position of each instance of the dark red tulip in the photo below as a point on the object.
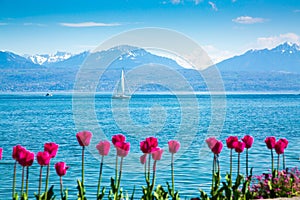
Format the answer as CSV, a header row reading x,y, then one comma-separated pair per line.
x,y
84,138
122,148
270,142
51,148
239,146
61,168
285,141
279,147
231,141
217,148
16,150
248,140
118,138
43,158
148,145
25,158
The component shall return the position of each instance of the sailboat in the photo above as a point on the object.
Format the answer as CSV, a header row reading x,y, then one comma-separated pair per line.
x,y
121,94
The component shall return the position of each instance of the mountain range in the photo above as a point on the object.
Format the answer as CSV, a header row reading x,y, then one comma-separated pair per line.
x,y
276,69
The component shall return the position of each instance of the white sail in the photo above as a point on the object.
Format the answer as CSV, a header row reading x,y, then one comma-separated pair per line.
x,y
121,94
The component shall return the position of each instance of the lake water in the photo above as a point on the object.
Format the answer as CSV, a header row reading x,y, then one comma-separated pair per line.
x,y
33,119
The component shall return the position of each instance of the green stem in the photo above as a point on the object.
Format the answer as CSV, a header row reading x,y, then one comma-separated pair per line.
x,y
218,163
238,171
40,182
82,166
149,161
145,171
47,181
22,185
27,176
14,180
153,176
283,161
230,163
247,162
100,176
172,169
213,173
120,174
278,162
116,170
61,188
272,159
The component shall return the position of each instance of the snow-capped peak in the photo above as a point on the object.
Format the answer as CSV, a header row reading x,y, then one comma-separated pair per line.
x,y
51,58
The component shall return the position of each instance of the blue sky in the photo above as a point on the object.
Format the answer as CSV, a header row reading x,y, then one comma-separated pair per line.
x,y
222,27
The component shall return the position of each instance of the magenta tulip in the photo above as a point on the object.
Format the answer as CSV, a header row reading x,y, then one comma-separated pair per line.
x,y
1,150
122,148
118,138
61,168
16,151
103,148
143,159
285,141
51,148
217,147
149,145
248,140
156,155
279,147
231,141
211,142
25,158
239,146
270,142
43,158
173,146
84,138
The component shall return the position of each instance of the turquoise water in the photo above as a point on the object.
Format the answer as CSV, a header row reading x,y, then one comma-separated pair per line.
x,y
33,119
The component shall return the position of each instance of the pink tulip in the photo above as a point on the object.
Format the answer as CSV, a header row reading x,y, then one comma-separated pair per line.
x,y
270,142
118,138
51,148
231,141
143,158
211,142
285,141
1,150
156,155
103,148
148,145
217,148
61,168
122,148
84,138
173,146
248,140
43,158
239,146
279,147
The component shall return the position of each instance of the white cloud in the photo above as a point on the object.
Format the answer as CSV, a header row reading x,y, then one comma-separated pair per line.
x,y
3,24
213,6
89,24
248,20
198,2
175,1
296,11
33,24
273,41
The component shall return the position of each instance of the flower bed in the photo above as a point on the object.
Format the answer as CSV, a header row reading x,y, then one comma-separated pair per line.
x,y
281,182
